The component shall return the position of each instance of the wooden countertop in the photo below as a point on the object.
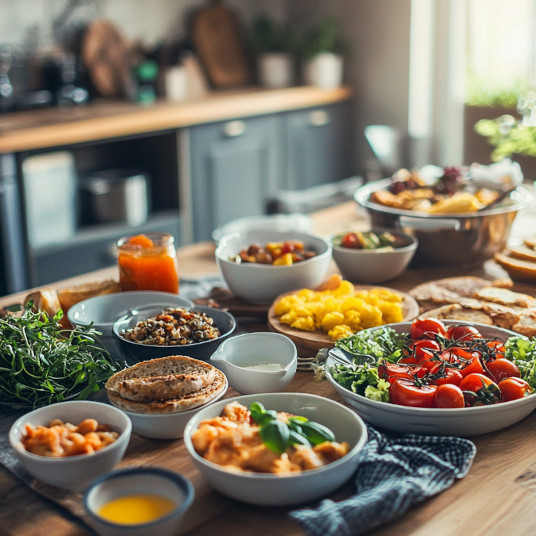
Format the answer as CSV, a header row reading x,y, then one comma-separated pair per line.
x,y
100,120
496,497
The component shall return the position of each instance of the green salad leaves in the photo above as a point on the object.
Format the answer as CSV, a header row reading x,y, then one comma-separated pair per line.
x,y
41,363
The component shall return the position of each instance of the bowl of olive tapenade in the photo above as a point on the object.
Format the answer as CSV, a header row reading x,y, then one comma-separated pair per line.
x,y
373,256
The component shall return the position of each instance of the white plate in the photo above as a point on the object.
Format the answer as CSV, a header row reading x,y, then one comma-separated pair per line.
x,y
464,422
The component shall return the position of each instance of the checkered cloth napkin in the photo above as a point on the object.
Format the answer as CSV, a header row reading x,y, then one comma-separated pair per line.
x,y
396,472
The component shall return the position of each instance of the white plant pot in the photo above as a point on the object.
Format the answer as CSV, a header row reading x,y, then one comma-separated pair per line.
x,y
324,70
275,70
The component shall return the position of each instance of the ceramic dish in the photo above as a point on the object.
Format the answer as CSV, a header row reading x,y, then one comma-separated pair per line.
x,y
260,362
262,283
375,265
133,352
464,422
73,472
298,488
104,310
139,480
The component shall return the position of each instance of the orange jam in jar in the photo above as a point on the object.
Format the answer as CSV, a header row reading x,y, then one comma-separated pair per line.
x,y
148,262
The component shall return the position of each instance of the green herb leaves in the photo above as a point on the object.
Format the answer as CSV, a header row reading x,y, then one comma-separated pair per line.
x,y
278,435
40,363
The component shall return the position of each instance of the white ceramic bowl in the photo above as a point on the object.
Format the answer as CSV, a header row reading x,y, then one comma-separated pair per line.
x,y
73,472
274,222
132,480
165,426
261,362
104,310
464,422
262,283
375,266
280,490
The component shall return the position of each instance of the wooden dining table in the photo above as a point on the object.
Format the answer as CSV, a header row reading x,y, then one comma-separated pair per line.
x,y
498,495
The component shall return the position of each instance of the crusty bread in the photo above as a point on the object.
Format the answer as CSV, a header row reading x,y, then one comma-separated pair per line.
x,y
68,296
504,296
522,252
455,311
46,300
152,386
520,269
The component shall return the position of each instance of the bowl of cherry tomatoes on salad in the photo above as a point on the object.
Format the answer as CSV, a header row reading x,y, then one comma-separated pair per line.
x,y
432,376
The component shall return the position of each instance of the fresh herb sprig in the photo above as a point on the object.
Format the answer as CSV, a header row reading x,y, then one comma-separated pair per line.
x,y
41,363
278,435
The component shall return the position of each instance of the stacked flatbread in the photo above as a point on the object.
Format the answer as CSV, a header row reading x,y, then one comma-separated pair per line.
x,y
165,385
474,299
519,260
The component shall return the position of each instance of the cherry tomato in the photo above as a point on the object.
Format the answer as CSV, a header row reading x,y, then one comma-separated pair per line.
x,y
392,371
423,349
405,393
448,396
468,362
501,369
514,388
479,390
496,349
441,374
351,240
427,328
463,332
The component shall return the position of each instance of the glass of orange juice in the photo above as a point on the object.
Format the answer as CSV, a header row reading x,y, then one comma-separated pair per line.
x,y
148,262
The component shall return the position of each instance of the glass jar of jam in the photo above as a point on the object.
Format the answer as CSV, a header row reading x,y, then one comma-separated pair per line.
x,y
148,262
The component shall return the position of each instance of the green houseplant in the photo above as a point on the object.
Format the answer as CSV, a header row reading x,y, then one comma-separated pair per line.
x,y
323,49
273,45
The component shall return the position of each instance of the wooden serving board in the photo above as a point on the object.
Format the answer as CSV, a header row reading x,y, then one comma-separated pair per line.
x,y
218,42
309,342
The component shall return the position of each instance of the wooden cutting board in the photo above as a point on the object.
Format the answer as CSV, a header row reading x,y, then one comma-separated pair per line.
x,y
309,342
106,56
218,42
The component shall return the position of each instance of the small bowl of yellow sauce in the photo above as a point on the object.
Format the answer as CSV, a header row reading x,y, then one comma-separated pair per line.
x,y
138,501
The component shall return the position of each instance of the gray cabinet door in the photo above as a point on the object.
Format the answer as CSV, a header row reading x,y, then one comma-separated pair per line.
x,y
320,145
235,168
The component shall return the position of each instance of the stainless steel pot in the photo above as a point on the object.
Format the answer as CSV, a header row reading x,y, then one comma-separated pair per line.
x,y
461,239
118,195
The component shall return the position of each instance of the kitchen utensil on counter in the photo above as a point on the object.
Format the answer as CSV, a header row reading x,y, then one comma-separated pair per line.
x,y
105,53
217,38
117,195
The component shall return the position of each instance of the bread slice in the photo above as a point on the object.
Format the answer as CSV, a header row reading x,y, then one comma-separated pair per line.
x,y
455,311
522,252
68,296
506,297
153,385
519,269
46,300
530,242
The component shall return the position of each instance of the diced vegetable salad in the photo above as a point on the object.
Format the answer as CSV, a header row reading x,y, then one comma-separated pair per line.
x,y
435,366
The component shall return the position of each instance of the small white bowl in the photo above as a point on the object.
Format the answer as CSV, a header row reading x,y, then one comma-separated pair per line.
x,y
375,266
168,425
104,310
73,472
144,480
297,488
261,362
262,283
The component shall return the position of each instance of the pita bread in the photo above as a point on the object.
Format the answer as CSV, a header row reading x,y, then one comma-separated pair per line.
x,y
165,385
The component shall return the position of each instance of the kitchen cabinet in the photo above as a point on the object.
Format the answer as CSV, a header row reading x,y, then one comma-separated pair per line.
x,y
235,167
319,145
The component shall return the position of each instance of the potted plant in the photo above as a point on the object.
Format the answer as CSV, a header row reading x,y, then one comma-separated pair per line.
x,y
273,46
323,50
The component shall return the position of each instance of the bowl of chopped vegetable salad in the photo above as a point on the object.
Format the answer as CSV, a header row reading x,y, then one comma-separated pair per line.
x,y
438,377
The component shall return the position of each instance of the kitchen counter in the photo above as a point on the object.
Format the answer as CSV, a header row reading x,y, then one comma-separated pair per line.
x,y
103,119
496,497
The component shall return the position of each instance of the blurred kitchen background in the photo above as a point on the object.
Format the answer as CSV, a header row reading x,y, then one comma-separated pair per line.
x,y
119,116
